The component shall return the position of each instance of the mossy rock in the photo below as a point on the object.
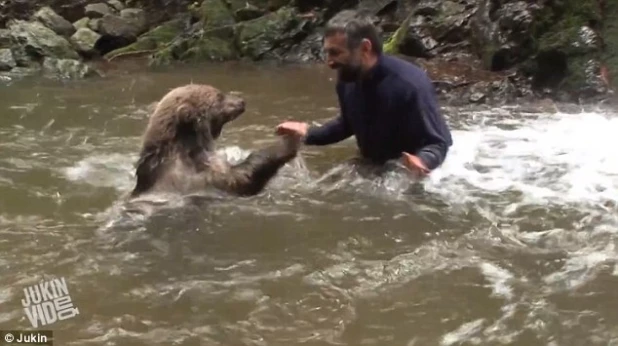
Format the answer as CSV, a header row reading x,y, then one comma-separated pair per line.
x,y
212,45
152,40
215,13
559,52
266,5
558,25
259,36
209,49
392,44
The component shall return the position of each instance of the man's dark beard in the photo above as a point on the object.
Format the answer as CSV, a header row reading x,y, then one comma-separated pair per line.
x,y
349,73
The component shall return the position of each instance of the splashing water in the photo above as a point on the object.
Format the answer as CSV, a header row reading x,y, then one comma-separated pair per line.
x,y
532,203
557,159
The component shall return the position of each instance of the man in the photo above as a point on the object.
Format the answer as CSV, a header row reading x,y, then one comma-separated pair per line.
x,y
389,104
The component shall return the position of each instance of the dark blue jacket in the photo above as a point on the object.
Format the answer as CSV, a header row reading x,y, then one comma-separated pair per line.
x,y
394,109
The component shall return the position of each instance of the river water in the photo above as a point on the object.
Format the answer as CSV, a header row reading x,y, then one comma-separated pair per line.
x,y
511,242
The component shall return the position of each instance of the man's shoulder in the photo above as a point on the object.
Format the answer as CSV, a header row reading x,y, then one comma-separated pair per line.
x,y
406,73
343,87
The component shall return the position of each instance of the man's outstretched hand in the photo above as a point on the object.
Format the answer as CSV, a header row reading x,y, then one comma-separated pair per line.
x,y
292,128
415,165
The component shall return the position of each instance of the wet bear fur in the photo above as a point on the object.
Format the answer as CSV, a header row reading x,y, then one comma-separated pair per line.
x,y
178,148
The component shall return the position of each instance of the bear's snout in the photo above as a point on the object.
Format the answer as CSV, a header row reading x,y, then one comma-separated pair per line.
x,y
235,105
237,102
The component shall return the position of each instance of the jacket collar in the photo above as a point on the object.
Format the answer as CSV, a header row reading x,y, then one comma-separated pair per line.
x,y
376,73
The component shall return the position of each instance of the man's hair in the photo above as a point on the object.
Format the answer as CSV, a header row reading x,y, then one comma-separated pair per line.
x,y
356,26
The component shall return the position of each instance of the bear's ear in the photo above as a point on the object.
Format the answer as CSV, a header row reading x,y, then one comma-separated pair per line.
x,y
194,127
186,113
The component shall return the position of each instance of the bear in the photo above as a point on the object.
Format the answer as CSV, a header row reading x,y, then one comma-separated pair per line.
x,y
178,147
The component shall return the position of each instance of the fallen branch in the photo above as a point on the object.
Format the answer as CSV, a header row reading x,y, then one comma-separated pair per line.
x,y
137,52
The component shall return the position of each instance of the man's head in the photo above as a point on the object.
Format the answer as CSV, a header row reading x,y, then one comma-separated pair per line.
x,y
351,44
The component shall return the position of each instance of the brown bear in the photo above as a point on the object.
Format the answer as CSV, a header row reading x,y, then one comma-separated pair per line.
x,y
178,149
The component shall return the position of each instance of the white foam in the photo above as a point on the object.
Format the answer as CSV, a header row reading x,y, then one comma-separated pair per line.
x,y
464,333
560,158
110,170
498,277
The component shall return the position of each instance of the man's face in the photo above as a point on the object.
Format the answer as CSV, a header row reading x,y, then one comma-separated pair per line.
x,y
348,63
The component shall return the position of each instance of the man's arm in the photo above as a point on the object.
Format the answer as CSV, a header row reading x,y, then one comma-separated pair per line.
x,y
437,138
335,130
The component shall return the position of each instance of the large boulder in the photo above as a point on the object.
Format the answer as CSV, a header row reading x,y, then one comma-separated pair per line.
x,y
7,62
98,10
67,69
211,38
37,40
70,10
153,40
501,34
251,9
116,32
280,29
215,14
557,45
431,28
81,23
116,5
85,41
135,17
5,38
54,21
200,45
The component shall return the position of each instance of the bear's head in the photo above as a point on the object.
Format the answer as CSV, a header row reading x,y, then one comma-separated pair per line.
x,y
185,124
225,108
193,114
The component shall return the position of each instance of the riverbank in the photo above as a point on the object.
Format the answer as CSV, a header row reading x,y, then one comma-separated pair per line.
x,y
475,50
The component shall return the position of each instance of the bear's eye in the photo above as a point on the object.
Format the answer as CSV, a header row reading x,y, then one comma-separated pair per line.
x,y
220,97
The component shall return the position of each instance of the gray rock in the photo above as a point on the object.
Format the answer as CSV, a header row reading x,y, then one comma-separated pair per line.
x,y
417,41
97,10
94,24
135,17
309,50
594,83
85,40
67,69
515,15
116,4
499,32
428,8
7,62
18,73
249,12
37,39
5,38
54,21
22,58
117,27
588,40
82,23
477,97
373,7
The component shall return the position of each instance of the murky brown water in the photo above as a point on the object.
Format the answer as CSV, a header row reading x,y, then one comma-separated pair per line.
x,y
511,242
